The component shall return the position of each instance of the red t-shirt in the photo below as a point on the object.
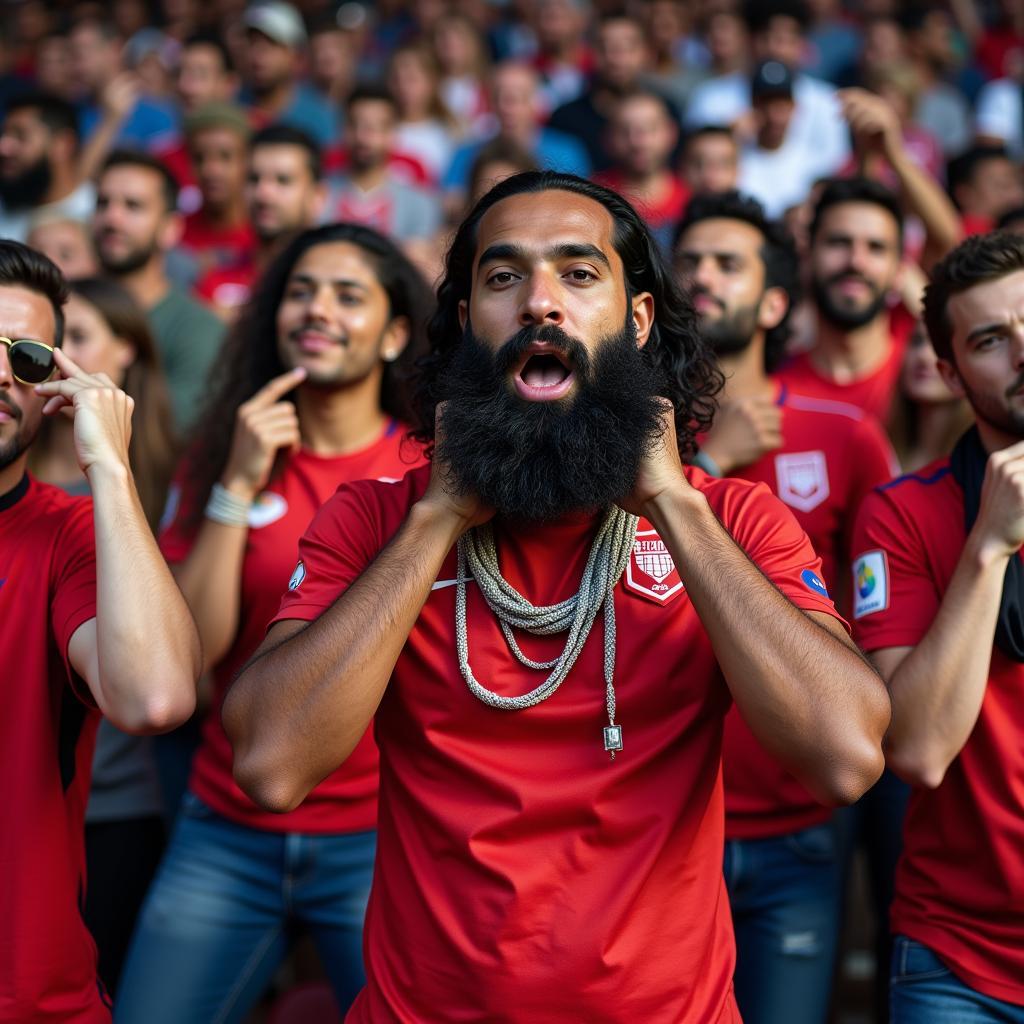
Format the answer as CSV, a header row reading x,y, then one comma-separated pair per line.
x,y
831,456
960,881
658,215
521,874
228,287
47,734
872,393
346,801
217,246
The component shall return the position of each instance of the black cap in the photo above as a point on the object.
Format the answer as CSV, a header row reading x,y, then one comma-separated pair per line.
x,y
771,78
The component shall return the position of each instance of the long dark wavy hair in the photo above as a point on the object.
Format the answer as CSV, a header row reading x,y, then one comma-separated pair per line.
x,y
249,358
688,369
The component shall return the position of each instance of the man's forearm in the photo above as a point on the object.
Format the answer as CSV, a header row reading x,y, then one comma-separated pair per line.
x,y
147,650
938,688
808,697
299,708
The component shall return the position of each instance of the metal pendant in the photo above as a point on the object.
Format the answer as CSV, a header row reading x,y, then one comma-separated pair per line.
x,y
612,739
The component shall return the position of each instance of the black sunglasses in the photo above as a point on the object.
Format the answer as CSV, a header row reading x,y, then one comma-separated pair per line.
x,y
31,361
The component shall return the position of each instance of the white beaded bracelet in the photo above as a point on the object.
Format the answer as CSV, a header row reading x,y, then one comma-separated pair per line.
x,y
226,508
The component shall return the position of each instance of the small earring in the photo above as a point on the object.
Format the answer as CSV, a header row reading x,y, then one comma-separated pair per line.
x,y
390,357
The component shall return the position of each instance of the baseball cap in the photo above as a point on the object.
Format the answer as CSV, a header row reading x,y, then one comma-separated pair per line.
x,y
771,78
277,21
218,115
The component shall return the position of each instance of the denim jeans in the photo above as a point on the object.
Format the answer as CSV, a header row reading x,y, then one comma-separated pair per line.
x,y
223,910
923,990
786,895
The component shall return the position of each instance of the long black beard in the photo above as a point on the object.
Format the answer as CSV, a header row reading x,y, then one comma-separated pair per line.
x,y
847,318
27,190
538,461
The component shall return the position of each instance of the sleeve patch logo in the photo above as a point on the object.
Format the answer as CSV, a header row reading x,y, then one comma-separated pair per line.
x,y
297,577
812,581
870,584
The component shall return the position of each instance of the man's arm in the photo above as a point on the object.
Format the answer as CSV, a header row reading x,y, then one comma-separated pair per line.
x,y
937,686
300,706
140,654
797,679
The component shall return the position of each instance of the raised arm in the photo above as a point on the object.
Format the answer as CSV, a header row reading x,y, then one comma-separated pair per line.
x,y
303,702
799,682
937,687
140,654
210,576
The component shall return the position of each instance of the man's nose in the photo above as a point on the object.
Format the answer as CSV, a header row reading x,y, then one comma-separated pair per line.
x,y
541,303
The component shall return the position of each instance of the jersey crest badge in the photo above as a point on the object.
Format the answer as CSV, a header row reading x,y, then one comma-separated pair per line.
x,y
650,571
266,509
870,584
802,478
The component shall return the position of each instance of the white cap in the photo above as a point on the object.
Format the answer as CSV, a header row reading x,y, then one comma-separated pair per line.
x,y
277,21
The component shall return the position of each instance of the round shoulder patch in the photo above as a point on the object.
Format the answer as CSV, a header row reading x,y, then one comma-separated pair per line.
x,y
814,582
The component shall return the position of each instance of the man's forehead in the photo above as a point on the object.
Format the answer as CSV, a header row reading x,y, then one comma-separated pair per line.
x,y
538,221
720,234
991,302
859,218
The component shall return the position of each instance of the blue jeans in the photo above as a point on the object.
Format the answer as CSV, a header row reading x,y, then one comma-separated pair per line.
x,y
222,912
786,895
923,990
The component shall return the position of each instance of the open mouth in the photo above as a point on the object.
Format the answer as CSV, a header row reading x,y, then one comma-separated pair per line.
x,y
544,374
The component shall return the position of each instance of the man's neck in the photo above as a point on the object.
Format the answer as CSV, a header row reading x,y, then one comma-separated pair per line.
x,y
845,356
366,179
276,99
230,215
744,373
342,420
993,439
10,476
149,284
651,186
65,181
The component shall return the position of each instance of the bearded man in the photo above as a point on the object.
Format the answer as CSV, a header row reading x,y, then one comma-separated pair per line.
x,y
550,828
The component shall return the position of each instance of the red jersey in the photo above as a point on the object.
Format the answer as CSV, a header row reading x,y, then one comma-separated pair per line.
x,y
47,733
520,874
666,213
228,287
960,881
872,393
217,246
346,801
831,456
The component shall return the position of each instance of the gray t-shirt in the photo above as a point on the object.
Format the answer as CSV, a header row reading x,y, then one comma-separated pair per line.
x,y
394,208
189,337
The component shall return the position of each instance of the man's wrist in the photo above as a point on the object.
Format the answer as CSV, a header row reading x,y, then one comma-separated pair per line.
x,y
438,519
679,498
108,473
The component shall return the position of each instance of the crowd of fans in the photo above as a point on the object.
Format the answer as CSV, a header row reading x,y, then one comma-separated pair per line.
x,y
164,154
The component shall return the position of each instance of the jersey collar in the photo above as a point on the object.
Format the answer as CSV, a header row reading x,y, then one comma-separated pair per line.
x,y
15,494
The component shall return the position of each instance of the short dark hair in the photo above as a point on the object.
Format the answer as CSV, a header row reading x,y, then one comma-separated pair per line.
x,y
286,135
22,267
139,158
645,92
708,131
758,14
1008,217
856,190
214,41
961,169
974,261
687,366
778,253
371,92
57,114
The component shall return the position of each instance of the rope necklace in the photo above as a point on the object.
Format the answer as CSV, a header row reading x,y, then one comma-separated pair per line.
x,y
477,559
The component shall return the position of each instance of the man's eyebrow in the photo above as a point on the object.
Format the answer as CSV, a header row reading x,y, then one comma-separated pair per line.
x,y
986,329
337,282
718,254
562,251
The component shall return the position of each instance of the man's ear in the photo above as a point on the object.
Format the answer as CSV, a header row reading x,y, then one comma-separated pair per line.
x,y
643,317
463,314
396,337
171,230
772,309
951,377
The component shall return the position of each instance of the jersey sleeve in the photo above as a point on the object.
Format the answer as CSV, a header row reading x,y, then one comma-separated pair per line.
x,y
774,541
73,588
895,599
342,540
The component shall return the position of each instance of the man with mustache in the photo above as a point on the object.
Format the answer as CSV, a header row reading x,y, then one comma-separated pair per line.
x,y
783,862
938,607
549,623
90,622
856,251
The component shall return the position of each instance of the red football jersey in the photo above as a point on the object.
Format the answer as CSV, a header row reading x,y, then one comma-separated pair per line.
x,y
47,734
216,246
521,874
960,881
873,393
346,801
831,456
228,287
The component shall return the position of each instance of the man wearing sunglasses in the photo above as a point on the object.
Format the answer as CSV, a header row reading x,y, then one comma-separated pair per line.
x,y
90,622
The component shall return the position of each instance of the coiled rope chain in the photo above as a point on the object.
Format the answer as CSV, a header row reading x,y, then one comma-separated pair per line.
x,y
477,559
